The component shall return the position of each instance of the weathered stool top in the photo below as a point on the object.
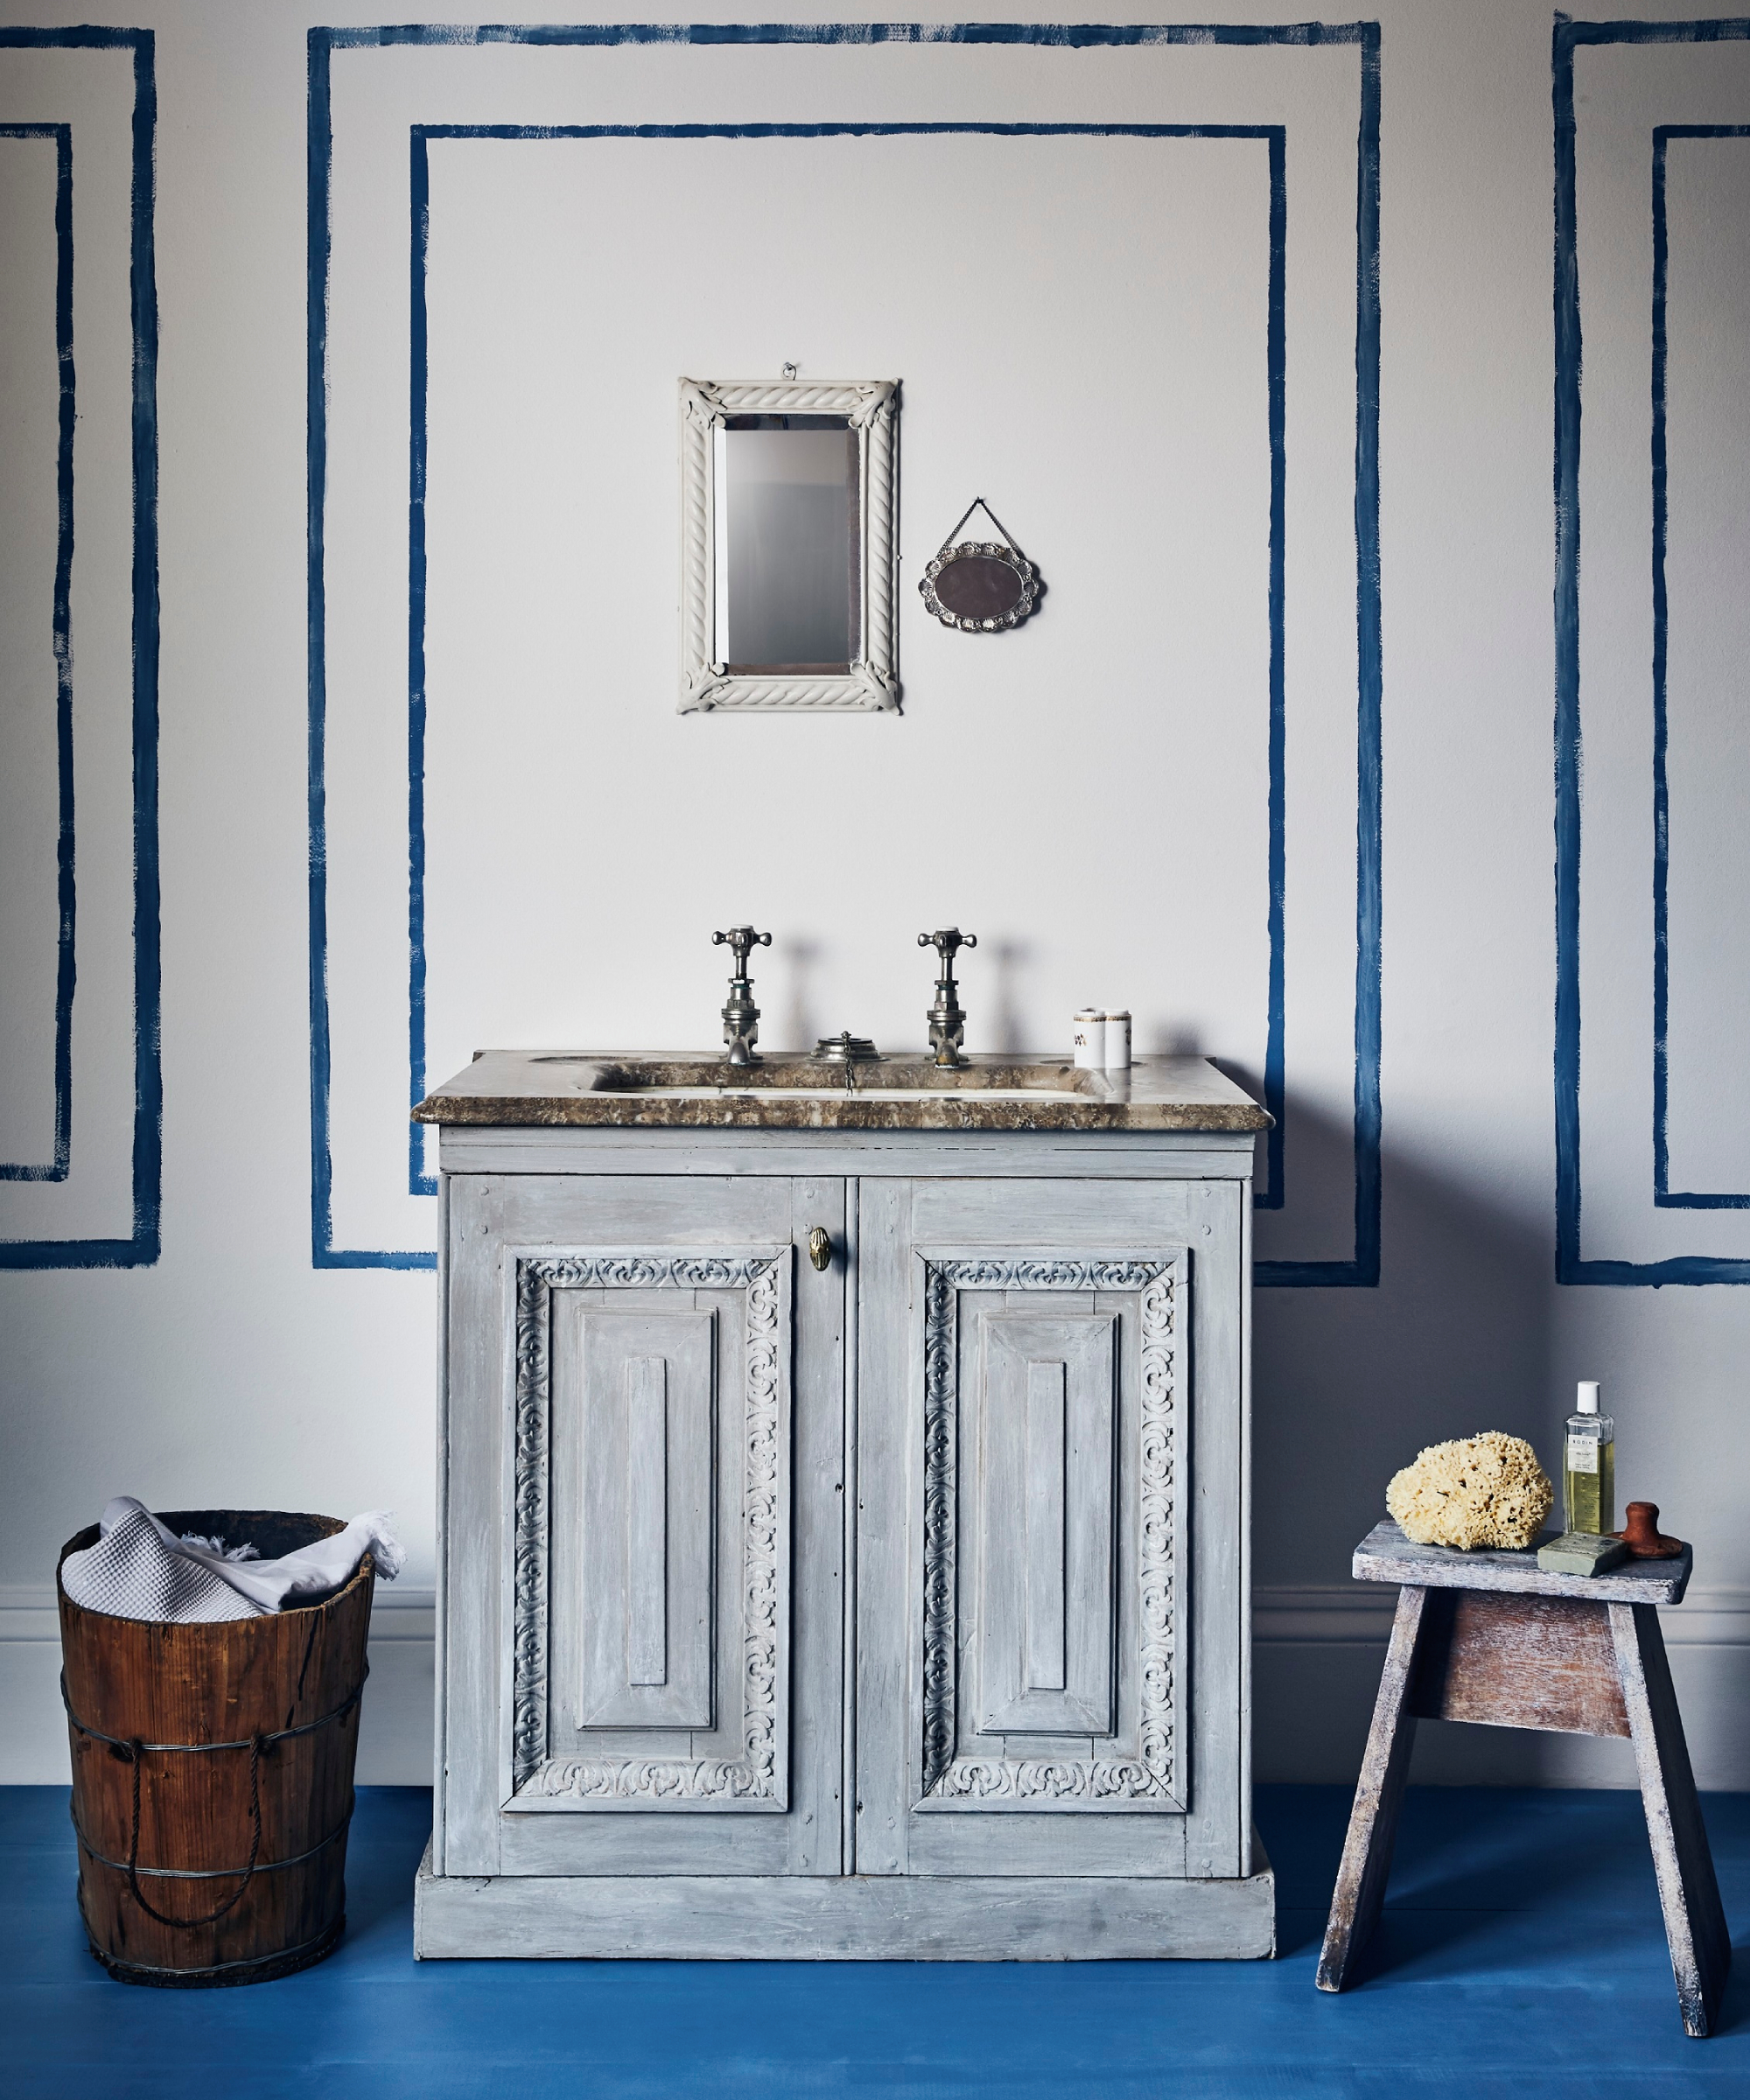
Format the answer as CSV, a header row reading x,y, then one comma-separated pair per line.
x,y
1386,1555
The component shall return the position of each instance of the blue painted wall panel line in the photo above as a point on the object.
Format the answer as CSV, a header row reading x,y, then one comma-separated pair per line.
x,y
324,1253
56,1167
1058,36
1664,1196
1572,1266
1272,1194
1364,1268
141,1248
419,1182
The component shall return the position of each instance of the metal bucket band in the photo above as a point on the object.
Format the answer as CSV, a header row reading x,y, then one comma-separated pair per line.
x,y
247,1742
210,1873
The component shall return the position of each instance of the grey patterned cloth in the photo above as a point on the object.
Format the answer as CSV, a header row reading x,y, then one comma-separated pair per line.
x,y
140,1570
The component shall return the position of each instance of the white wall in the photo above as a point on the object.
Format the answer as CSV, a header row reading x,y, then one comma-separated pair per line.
x,y
1081,325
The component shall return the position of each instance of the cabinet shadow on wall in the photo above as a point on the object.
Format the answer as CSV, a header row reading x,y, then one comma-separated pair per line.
x,y
1349,1385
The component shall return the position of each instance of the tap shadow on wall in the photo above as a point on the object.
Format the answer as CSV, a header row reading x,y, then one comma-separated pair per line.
x,y
1008,961
798,1025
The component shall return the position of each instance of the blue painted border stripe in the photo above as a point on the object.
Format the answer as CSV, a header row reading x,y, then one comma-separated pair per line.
x,y
319,150
324,1253
1571,1266
1057,36
58,1166
1273,1193
921,130
1362,1272
419,1182
147,966
1364,1268
141,1250
1664,1197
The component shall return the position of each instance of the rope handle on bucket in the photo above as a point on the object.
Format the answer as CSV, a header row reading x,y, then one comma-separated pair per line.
x,y
134,1753
130,1751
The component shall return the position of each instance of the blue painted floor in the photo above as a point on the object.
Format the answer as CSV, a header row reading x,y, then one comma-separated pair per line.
x,y
1521,1953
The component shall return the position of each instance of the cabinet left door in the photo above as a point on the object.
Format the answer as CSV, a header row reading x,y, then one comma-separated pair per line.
x,y
643,1515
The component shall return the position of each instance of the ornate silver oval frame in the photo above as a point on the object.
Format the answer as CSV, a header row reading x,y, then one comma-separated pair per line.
x,y
1010,558
871,680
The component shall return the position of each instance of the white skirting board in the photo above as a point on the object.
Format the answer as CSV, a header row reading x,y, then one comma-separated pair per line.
x,y
865,1917
395,1727
1316,1659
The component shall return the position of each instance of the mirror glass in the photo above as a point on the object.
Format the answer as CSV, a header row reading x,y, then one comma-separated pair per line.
x,y
788,509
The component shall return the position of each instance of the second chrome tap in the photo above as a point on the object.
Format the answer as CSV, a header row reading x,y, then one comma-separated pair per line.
x,y
947,1021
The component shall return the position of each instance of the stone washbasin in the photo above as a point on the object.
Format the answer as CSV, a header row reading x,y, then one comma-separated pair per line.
x,y
905,1090
909,1078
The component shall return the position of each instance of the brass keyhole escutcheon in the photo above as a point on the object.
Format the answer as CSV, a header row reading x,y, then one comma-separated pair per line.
x,y
820,1247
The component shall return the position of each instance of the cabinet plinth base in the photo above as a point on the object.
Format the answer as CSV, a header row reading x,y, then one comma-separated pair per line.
x,y
858,1918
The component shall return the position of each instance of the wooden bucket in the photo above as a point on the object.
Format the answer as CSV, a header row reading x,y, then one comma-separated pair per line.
x,y
212,1772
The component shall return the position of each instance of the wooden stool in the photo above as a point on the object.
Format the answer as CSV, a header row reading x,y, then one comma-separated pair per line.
x,y
1487,1636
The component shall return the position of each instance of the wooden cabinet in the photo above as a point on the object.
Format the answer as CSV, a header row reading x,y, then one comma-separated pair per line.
x,y
896,1607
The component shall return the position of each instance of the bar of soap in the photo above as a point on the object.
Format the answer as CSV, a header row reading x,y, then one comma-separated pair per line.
x,y
1581,1553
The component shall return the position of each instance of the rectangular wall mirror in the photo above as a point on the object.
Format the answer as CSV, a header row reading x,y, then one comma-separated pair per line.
x,y
787,571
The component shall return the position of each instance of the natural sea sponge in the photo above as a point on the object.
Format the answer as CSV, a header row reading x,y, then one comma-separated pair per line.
x,y
1476,1491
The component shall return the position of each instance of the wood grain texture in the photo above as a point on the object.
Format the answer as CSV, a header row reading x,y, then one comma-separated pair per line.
x,y
1379,1795
1045,1461
1518,1663
137,1680
1057,1917
1689,1892
1386,1555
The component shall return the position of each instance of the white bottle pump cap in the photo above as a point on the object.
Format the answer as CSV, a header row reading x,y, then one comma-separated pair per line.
x,y
1587,1403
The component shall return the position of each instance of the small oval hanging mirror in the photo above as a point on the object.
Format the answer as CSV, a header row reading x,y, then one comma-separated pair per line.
x,y
978,586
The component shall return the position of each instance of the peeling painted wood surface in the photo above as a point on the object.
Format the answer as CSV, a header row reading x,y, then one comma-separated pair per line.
x,y
1386,1555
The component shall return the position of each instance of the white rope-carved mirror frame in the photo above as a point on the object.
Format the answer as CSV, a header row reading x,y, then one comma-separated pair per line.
x,y
871,407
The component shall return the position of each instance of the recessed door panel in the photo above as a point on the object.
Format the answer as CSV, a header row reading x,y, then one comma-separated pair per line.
x,y
644,1433
1041,1652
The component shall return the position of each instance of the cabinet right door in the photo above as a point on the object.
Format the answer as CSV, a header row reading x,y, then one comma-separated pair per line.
x,y
1050,1539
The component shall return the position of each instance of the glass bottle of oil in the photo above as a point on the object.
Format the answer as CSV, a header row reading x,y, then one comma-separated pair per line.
x,y
1589,1465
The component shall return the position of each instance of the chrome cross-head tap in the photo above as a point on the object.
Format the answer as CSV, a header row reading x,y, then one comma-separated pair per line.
x,y
947,1022
740,1015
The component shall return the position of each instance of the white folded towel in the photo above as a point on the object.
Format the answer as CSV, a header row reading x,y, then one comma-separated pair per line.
x,y
139,1570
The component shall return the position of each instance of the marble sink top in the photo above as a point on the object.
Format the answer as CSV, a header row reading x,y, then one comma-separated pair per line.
x,y
904,1091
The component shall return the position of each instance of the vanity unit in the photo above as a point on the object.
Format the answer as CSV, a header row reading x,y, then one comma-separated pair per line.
x,y
844,1506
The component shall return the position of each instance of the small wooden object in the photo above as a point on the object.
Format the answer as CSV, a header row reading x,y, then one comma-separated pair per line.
x,y
1643,1537
212,1772
1488,1636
